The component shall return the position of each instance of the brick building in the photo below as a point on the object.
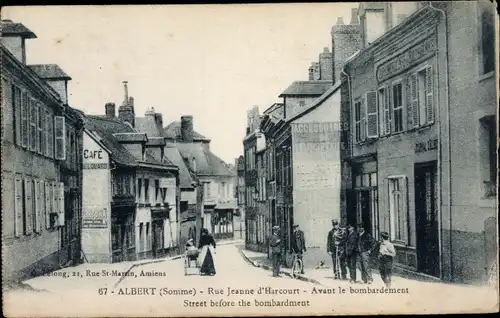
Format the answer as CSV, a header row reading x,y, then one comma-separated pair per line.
x,y
41,167
421,159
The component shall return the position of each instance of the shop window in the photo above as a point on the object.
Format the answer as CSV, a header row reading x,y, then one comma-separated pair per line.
x,y
398,209
397,107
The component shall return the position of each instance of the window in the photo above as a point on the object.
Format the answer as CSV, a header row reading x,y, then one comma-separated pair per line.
x,y
60,203
487,17
157,189
25,120
397,107
39,135
33,122
37,224
48,204
139,190
384,112
19,206
146,191
488,158
28,207
141,237
17,108
42,130
371,115
208,192
148,237
398,209
60,135
357,121
49,151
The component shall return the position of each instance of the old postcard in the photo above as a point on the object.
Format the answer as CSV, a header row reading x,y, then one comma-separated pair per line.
x,y
250,159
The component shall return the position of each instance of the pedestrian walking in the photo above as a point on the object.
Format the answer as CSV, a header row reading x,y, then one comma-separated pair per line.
x,y
298,244
386,256
365,248
351,251
207,254
275,245
335,247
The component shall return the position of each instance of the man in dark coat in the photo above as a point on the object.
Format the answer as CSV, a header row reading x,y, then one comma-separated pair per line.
x,y
298,243
275,245
351,251
335,246
365,246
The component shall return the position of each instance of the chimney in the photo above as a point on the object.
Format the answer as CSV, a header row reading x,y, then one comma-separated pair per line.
x,y
159,121
14,36
311,72
110,110
187,128
125,89
354,16
131,101
326,65
340,20
150,112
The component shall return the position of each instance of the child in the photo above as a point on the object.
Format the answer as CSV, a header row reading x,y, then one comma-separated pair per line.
x,y
192,251
386,255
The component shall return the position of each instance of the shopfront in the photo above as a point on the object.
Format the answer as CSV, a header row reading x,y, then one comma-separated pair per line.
x,y
123,233
159,215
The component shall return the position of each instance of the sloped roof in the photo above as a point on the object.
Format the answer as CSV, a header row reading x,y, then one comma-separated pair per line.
x,y
10,28
49,71
307,88
207,163
173,131
185,177
147,125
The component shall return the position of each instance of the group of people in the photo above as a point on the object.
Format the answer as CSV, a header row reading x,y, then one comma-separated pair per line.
x,y
204,253
354,246
347,247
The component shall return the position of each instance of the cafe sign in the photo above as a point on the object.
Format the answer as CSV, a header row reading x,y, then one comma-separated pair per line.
x,y
428,145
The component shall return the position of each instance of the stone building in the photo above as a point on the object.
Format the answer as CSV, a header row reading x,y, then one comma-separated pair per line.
x,y
41,166
346,40
421,160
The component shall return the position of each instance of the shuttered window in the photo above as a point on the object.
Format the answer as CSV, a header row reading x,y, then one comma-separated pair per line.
x,y
371,115
357,121
38,207
33,121
60,137
28,206
48,204
381,96
40,114
55,202
50,134
398,208
429,95
24,120
397,108
60,202
17,106
18,207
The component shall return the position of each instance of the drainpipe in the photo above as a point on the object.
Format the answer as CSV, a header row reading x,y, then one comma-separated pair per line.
x,y
448,146
349,84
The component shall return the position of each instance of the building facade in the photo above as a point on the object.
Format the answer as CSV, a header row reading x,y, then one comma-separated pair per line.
x,y
420,128
239,220
41,169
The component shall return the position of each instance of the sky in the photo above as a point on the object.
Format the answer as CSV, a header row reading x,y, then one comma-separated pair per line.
x,y
213,62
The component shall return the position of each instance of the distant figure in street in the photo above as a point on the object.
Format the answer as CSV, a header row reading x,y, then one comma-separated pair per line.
x,y
207,254
351,251
386,256
275,244
298,244
365,247
335,246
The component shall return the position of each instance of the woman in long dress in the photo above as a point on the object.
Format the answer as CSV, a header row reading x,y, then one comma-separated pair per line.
x,y
207,254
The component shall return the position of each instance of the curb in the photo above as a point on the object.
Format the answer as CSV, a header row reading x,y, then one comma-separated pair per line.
x,y
267,267
147,263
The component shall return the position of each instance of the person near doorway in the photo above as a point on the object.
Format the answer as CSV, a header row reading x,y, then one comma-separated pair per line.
x,y
335,246
365,247
298,244
351,251
275,245
386,254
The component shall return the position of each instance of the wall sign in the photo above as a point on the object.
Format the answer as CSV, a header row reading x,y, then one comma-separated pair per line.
x,y
94,218
416,54
425,146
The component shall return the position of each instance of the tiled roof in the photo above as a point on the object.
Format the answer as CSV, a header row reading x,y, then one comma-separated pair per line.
x,y
185,178
173,131
131,137
147,125
207,163
49,71
10,28
105,128
308,88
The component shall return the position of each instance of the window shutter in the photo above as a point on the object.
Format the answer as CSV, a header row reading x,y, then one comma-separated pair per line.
x,y
380,107
429,95
37,206
28,206
50,135
32,129
404,183
363,119
412,107
16,99
387,110
60,199
42,130
48,204
371,115
18,208
24,121
60,137
55,203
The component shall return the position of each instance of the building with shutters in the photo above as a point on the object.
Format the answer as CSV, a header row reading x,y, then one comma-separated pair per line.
x,y
420,102
41,166
239,219
130,187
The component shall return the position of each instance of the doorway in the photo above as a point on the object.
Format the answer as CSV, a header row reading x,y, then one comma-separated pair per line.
x,y
427,219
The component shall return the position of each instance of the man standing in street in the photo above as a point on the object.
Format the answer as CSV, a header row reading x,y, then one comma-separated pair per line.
x,y
298,244
351,251
365,247
335,246
275,244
